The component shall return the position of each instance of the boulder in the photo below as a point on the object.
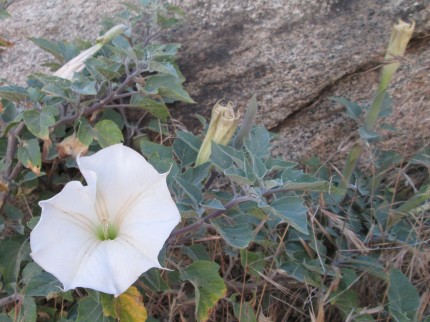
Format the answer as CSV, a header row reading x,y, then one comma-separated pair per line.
x,y
293,54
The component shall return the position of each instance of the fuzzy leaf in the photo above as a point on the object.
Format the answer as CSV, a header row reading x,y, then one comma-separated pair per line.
x,y
107,133
13,93
84,88
235,230
38,122
209,286
85,132
29,155
353,110
90,309
158,109
293,211
258,142
403,298
168,87
163,67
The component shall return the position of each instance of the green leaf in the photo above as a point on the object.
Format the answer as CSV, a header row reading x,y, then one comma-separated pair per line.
x,y
148,148
248,122
163,67
209,286
422,157
154,280
40,283
31,224
168,87
13,212
29,155
108,69
235,230
9,111
293,211
196,175
403,298
196,252
114,116
258,142
12,253
368,135
84,87
91,309
60,50
107,133
252,262
158,109
194,193
239,176
258,167
244,312
219,158
26,312
38,122
353,110
186,154
161,51
13,93
85,132
386,108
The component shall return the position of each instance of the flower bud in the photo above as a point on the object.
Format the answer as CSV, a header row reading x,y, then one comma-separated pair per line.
x,y
400,36
222,126
78,63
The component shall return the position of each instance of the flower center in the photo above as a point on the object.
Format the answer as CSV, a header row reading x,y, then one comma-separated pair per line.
x,y
106,230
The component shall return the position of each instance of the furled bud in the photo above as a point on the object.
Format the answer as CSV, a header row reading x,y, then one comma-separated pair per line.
x,y
221,129
78,63
400,36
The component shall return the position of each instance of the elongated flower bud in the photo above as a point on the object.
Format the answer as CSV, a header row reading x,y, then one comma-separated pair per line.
x,y
400,36
78,63
221,129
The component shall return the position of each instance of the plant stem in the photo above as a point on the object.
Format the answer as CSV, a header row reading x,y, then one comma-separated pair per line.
x,y
12,143
10,299
101,104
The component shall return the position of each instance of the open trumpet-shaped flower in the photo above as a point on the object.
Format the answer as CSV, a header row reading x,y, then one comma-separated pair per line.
x,y
106,234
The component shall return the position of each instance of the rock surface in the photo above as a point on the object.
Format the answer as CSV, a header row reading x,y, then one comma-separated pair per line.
x,y
294,54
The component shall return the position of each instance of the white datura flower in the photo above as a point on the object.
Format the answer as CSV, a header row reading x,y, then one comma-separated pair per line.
x,y
104,235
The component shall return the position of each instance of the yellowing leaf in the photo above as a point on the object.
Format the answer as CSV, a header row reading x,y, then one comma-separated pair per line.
x,y
29,155
128,307
71,146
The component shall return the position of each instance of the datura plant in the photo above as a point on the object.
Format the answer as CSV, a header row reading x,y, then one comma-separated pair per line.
x,y
100,188
115,226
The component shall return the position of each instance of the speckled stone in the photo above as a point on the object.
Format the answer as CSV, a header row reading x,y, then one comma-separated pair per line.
x,y
294,54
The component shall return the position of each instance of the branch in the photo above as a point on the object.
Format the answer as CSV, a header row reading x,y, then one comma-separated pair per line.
x,y
12,143
101,104
112,95
10,299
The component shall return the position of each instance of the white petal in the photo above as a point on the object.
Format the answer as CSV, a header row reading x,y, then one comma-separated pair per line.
x,y
65,232
121,174
150,221
112,267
